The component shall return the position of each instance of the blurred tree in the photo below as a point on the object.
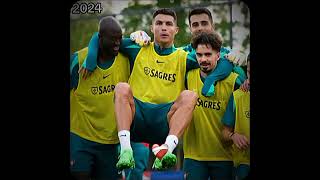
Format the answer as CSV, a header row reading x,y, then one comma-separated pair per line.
x,y
138,16
246,24
81,32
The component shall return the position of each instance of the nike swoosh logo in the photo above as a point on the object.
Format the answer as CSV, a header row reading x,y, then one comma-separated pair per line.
x,y
123,135
160,61
174,142
106,76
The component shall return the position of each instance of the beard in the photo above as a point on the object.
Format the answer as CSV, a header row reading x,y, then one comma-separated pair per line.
x,y
205,67
205,70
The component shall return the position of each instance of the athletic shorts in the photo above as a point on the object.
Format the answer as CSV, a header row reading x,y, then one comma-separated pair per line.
x,y
242,171
150,122
98,160
217,170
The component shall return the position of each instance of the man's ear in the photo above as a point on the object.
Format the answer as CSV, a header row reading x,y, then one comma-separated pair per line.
x,y
177,30
218,56
151,28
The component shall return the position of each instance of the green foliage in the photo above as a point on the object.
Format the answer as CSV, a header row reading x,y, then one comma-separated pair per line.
x,y
133,17
81,32
138,16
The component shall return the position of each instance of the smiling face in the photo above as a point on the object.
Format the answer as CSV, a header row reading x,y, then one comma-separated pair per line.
x,y
164,29
110,42
110,36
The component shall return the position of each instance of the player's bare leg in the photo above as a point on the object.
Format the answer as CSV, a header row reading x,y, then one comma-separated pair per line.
x,y
180,114
124,106
179,117
124,111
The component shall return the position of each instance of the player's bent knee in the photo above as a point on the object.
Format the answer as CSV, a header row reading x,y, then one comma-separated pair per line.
x,y
122,89
189,97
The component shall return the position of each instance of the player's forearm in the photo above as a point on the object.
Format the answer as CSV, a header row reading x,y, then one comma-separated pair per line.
x,y
125,48
227,133
130,49
126,42
91,61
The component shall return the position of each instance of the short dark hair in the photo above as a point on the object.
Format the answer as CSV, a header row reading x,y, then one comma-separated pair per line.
x,y
212,38
200,10
165,11
107,23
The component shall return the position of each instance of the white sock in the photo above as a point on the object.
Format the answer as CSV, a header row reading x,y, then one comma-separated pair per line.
x,y
172,142
124,138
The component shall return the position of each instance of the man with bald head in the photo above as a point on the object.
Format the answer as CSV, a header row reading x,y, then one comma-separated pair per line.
x,y
93,130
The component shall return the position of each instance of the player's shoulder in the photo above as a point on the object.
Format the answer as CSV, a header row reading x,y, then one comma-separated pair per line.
x,y
76,58
233,75
230,79
83,51
239,93
82,54
193,72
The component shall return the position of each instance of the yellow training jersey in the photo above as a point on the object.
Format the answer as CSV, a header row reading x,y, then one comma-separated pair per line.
x,y
158,79
202,139
242,125
92,107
